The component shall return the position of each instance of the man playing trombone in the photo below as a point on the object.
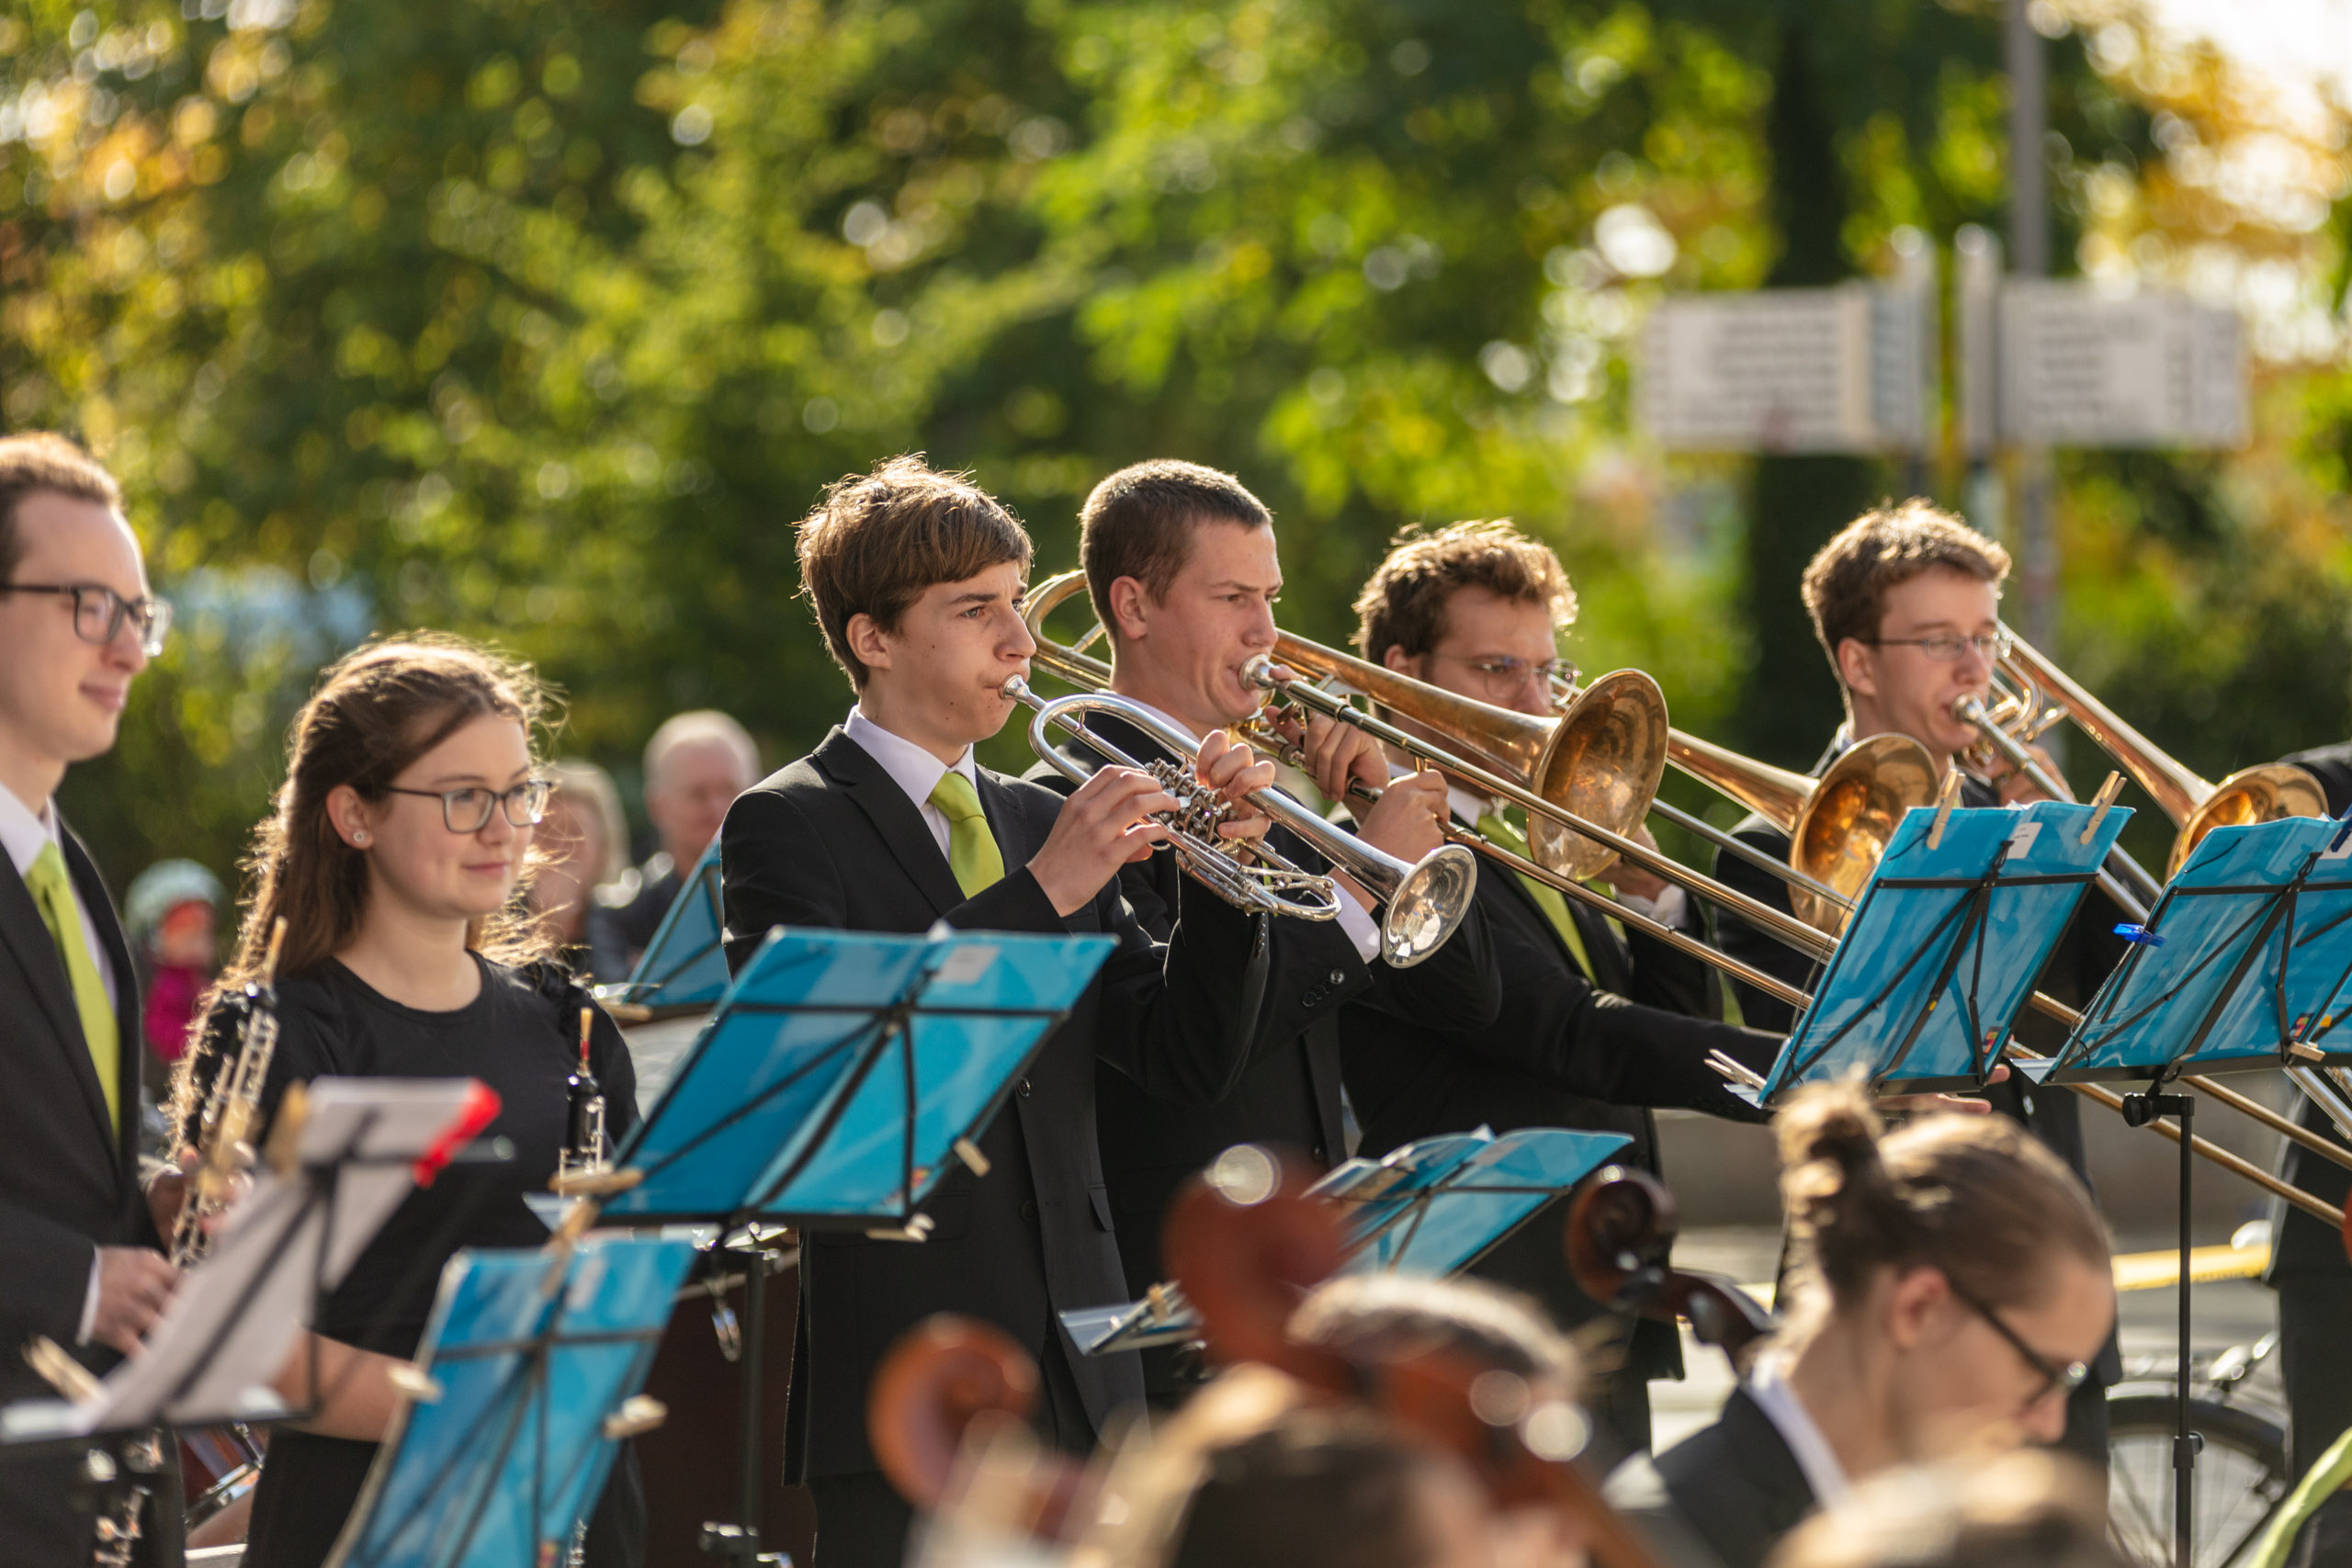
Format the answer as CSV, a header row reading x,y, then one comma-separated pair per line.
x,y
1905,600
1181,566
1595,1021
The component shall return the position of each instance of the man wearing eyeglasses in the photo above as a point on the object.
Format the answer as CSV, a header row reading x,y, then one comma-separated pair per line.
x,y
1598,1021
77,1247
1907,603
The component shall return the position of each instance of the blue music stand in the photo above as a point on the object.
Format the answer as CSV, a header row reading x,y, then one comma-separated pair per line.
x,y
535,1358
1431,1207
1943,947
685,966
2245,958
843,1071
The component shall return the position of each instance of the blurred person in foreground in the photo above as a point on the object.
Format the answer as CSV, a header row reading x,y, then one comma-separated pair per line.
x,y
170,914
583,844
2022,1510
1948,1285
695,766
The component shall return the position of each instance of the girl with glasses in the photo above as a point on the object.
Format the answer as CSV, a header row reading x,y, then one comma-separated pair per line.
x,y
402,838
1948,1285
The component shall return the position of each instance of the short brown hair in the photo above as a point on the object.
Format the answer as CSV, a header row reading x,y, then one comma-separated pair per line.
x,y
877,540
1403,605
1138,523
1846,581
1977,1197
2026,1509
42,461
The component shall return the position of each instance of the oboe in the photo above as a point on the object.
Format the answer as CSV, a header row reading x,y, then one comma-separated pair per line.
x,y
583,1144
223,1147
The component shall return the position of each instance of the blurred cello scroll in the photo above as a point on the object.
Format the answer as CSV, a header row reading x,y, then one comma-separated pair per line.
x,y
947,1410
1621,1242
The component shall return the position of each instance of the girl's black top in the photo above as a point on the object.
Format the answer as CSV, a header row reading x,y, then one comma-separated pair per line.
x,y
520,1036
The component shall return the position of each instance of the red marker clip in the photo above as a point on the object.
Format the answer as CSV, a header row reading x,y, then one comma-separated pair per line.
x,y
481,1108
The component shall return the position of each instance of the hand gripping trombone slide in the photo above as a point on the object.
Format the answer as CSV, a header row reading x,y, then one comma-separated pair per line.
x,y
1421,903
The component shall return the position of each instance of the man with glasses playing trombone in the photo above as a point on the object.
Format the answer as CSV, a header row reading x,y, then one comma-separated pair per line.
x,y
1905,600
1598,1022
77,1245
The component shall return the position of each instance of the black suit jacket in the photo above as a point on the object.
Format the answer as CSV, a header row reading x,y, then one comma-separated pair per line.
x,y
1721,1498
1565,1050
69,1184
831,841
1290,1095
2304,1242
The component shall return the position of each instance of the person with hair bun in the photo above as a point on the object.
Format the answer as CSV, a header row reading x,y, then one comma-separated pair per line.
x,y
1949,1286
400,837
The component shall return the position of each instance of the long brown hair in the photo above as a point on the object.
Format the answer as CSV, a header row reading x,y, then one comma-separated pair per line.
x,y
375,711
1977,1197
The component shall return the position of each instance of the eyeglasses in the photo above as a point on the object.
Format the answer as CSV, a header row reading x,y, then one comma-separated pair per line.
x,y
1505,674
1946,647
468,810
98,612
2056,1378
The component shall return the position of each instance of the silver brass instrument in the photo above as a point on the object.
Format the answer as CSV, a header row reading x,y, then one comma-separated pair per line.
x,y
224,1146
1421,903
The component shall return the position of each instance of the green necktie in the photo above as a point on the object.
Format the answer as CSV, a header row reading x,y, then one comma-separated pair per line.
x,y
1548,899
46,881
972,854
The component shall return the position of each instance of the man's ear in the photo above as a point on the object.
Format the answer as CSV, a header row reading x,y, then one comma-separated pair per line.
x,y
869,642
1130,606
1858,666
1404,663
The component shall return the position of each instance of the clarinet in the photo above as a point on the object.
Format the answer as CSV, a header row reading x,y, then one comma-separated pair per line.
x,y
118,1527
583,1144
229,1112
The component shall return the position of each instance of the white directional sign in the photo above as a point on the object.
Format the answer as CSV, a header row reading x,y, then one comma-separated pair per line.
x,y
2079,369
1840,369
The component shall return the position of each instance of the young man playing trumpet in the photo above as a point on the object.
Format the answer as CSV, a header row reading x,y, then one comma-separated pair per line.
x,y
1182,570
889,826
1594,1023
1906,601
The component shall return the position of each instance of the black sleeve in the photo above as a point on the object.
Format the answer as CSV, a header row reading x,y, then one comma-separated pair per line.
x,y
1185,1019
1554,1025
1665,977
1753,947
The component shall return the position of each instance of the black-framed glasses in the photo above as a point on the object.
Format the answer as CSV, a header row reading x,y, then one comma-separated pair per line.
x,y
1507,674
100,613
468,810
1946,647
2061,1378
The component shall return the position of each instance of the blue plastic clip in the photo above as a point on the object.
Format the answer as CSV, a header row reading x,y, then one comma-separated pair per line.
x,y
2140,934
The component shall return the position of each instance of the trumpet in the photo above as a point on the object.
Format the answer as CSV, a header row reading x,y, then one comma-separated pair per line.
x,y
1421,903
223,1143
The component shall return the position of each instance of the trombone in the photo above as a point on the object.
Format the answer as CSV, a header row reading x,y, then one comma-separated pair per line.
x,y
1421,903
1430,706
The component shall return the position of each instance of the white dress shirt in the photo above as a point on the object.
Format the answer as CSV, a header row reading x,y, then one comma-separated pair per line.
x,y
1768,1385
916,770
23,831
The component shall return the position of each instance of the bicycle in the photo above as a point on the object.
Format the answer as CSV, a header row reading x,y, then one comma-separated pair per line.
x,y
2242,1471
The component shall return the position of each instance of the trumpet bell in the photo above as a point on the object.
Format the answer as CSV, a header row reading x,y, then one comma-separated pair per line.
x,y
2261,794
1843,829
1428,904
1602,761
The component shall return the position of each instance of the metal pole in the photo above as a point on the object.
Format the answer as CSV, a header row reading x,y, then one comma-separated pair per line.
x,y
2029,257
2184,1452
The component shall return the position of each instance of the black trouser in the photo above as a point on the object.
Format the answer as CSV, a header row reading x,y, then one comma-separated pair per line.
x,y
2315,1361
862,1522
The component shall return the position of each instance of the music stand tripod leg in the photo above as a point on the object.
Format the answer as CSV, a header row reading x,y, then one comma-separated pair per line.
x,y
2140,1110
739,1543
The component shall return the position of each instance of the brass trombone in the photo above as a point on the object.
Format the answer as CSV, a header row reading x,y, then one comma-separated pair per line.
x,y
1532,749
1433,707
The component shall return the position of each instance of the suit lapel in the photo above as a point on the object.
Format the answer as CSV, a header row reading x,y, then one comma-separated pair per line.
x,y
26,935
895,817
1005,821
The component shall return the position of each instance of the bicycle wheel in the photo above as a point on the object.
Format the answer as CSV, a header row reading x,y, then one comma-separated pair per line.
x,y
2241,1476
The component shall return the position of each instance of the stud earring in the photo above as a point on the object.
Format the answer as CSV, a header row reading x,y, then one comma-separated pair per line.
x,y
361,837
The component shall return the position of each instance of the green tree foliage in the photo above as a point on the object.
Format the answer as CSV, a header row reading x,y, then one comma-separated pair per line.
x,y
545,322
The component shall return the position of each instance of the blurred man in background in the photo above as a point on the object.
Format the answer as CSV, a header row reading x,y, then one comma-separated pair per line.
x,y
695,766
